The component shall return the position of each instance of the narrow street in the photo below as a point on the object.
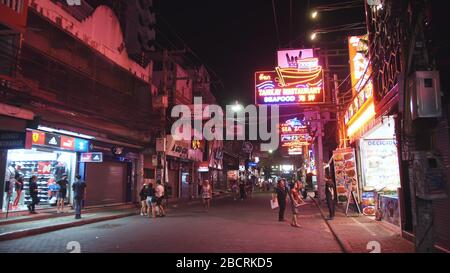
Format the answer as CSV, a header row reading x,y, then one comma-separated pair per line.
x,y
230,226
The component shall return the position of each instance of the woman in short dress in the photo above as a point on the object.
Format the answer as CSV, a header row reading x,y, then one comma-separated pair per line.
x,y
296,200
206,194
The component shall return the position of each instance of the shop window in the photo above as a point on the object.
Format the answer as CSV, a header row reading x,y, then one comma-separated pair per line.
x,y
49,166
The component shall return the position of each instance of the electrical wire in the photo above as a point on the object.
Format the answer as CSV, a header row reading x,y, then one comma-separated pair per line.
x,y
276,23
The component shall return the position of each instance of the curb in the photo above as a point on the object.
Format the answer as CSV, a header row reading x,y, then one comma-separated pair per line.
x,y
47,215
36,231
342,243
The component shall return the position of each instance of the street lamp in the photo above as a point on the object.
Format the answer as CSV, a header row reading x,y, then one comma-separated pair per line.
x,y
314,14
236,107
313,36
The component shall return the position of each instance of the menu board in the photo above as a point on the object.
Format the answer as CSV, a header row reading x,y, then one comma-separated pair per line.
x,y
345,173
380,163
368,202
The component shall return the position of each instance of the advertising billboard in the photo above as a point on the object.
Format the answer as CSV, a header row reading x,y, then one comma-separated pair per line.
x,y
289,57
299,85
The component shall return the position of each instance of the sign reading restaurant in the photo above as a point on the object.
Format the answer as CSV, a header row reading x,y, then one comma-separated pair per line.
x,y
296,80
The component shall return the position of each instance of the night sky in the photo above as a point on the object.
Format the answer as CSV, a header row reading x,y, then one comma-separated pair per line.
x,y
235,38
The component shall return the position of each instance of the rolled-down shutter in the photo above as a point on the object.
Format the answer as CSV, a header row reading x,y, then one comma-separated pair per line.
x,y
441,208
106,183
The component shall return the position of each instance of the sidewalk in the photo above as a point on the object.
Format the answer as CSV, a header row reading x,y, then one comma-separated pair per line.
x,y
47,220
361,234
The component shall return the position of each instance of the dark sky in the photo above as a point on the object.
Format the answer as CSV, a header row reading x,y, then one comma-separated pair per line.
x,y
235,38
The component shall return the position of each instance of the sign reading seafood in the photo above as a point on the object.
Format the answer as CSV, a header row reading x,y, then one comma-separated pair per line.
x,y
302,84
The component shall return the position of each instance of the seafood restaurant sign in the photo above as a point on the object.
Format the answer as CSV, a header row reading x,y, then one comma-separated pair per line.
x,y
299,80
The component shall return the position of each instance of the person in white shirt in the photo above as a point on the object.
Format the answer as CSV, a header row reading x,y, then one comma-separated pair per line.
x,y
159,194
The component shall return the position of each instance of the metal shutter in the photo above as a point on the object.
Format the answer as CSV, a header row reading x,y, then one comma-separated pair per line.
x,y
441,208
106,183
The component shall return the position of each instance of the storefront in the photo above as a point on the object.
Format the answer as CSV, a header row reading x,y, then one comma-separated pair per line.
x,y
379,171
115,179
49,156
182,173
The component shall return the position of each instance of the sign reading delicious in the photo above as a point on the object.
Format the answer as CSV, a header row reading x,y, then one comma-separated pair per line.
x,y
302,84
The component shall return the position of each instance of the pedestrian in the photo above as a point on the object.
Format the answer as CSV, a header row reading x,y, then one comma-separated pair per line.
x,y
150,200
159,193
206,194
167,194
79,189
281,195
143,199
19,189
302,189
242,190
296,201
329,194
234,190
61,197
33,188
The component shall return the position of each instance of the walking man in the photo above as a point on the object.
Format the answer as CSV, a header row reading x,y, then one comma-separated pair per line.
x,y
78,195
281,195
329,194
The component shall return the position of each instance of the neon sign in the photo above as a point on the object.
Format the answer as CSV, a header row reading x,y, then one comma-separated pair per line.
x,y
360,75
294,126
291,85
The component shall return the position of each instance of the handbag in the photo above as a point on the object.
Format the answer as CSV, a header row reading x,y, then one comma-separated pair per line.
x,y
273,203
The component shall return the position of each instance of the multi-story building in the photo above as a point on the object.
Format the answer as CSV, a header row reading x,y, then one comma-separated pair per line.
x,y
70,84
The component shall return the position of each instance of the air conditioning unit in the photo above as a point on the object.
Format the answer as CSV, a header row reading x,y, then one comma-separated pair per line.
x,y
425,99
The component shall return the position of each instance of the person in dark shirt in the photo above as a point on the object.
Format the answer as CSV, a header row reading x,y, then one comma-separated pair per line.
x,y
242,190
143,198
33,188
281,195
19,189
151,200
329,194
62,193
78,188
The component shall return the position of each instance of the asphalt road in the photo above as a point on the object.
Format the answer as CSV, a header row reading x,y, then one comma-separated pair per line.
x,y
230,226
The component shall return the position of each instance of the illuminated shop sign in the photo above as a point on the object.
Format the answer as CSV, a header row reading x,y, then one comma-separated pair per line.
x,y
39,138
360,76
292,85
290,57
294,126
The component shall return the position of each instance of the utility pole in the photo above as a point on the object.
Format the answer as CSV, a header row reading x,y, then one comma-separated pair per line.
x,y
319,163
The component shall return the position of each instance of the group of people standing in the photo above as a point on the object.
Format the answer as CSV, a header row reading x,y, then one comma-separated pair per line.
x,y
78,187
152,200
282,193
243,189
296,195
